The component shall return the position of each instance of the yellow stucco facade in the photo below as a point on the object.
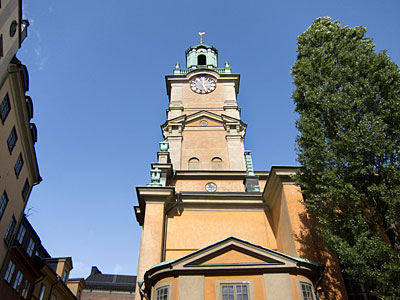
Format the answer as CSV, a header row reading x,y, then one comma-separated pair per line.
x,y
211,226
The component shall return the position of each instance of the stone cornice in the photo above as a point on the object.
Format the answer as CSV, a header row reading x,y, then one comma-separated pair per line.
x,y
278,176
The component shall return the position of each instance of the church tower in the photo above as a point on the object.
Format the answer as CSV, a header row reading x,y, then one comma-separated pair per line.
x,y
203,126
212,227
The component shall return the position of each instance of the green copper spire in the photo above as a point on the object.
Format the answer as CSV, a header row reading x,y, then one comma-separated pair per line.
x,y
201,56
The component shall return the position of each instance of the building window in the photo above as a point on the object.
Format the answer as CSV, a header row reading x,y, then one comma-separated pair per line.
x,y
238,291
42,291
306,291
53,297
194,164
25,190
216,164
21,234
12,140
31,247
201,60
162,293
64,278
4,107
10,230
18,280
3,203
9,271
18,165
25,291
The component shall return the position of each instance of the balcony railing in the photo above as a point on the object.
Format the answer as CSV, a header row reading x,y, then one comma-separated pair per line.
x,y
219,70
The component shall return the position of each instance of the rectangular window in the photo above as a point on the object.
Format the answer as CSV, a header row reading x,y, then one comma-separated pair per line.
x,y
235,291
12,140
306,290
25,190
3,203
64,278
162,293
10,230
4,108
31,247
18,165
42,291
25,291
53,297
18,280
9,271
21,234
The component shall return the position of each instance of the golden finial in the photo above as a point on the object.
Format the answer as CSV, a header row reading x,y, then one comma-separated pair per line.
x,y
201,36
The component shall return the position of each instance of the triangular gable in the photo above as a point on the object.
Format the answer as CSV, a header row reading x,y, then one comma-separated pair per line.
x,y
233,256
231,252
203,114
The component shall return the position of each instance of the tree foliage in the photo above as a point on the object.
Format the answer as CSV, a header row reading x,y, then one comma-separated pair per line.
x,y
348,100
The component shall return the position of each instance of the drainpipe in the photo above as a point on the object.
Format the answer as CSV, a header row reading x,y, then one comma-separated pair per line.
x,y
34,284
319,281
51,287
142,294
178,200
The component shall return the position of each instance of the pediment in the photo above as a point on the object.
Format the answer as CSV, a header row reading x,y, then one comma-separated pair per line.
x,y
234,252
195,119
233,256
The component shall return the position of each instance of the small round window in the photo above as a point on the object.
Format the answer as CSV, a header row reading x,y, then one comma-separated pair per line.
x,y
203,123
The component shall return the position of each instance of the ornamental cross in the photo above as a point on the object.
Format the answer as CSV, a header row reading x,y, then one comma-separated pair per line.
x,y
201,36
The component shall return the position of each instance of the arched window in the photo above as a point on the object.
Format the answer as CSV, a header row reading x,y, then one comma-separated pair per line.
x,y
194,164
201,60
216,164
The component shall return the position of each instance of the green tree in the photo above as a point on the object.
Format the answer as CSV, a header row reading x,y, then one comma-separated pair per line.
x,y
348,100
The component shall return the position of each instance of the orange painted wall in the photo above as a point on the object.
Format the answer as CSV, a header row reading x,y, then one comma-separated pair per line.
x,y
204,145
193,230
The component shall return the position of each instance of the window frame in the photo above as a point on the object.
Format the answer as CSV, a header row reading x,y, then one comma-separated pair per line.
x,y
25,290
163,285
5,108
12,139
3,203
17,281
21,234
193,159
18,165
9,272
10,230
214,161
25,190
31,247
42,291
235,282
304,282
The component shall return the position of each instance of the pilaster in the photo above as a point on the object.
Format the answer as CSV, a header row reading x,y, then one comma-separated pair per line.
x,y
151,214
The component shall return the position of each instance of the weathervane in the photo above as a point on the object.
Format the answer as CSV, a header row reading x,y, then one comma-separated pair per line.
x,y
201,36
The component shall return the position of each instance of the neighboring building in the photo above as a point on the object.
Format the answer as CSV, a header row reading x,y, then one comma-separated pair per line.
x,y
212,228
13,31
31,273
99,286
19,169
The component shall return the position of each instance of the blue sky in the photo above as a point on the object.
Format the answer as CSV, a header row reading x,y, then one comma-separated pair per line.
x,y
97,81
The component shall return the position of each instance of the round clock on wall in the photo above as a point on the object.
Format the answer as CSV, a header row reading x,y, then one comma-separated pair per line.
x,y
211,187
203,84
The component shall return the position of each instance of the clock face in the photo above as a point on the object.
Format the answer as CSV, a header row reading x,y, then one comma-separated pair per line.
x,y
203,84
211,187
